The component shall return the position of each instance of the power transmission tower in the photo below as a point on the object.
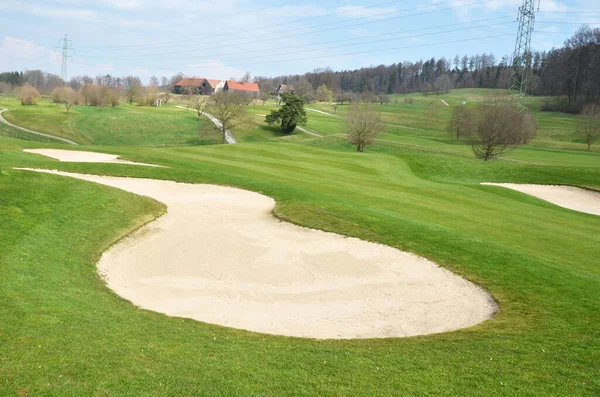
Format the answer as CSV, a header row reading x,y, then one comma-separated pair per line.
x,y
64,46
522,54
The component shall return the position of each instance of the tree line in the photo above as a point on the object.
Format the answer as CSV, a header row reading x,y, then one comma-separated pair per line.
x,y
571,71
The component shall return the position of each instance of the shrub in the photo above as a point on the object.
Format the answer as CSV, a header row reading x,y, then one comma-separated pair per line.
x,y
28,95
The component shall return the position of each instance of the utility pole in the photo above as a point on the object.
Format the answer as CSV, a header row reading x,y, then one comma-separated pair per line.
x,y
522,54
64,46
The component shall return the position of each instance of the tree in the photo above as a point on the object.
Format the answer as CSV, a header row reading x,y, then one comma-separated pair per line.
x,y
588,125
246,78
290,114
153,81
166,97
363,125
383,99
200,105
230,110
28,95
57,95
324,94
70,97
498,126
459,123
432,111
264,96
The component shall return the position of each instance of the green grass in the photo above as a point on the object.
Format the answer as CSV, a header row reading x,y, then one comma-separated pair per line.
x,y
124,125
63,332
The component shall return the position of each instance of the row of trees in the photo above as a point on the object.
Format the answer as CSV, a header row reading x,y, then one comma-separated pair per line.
x,y
572,71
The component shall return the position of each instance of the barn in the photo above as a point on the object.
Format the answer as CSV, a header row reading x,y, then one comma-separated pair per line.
x,y
189,85
251,89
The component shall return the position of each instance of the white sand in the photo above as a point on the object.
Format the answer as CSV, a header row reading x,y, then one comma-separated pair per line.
x,y
571,197
220,256
78,156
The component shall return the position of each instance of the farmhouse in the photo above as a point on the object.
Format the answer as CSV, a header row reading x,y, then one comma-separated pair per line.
x,y
210,87
246,88
194,85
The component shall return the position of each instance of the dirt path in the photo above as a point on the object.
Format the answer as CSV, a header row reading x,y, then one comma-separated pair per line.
x,y
309,132
571,197
220,256
3,120
228,135
322,112
444,102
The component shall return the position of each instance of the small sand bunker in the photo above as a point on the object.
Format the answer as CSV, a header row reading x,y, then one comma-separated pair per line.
x,y
571,197
220,256
78,156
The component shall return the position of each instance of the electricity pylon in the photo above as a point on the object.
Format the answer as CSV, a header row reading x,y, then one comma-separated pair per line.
x,y
65,47
522,54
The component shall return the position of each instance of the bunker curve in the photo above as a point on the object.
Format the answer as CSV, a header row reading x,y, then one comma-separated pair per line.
x,y
79,156
571,197
221,257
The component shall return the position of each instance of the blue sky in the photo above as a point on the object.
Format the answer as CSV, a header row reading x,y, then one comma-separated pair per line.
x,y
225,38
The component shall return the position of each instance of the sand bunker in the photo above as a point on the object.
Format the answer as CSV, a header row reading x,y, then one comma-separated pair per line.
x,y
574,198
78,156
220,256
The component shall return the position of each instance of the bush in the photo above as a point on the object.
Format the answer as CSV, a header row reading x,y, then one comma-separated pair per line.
x,y
62,95
28,95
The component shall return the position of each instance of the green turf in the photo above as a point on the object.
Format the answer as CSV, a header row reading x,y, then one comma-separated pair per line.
x,y
64,333
124,125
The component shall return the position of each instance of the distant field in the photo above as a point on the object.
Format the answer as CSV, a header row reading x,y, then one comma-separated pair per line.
x,y
407,124
124,125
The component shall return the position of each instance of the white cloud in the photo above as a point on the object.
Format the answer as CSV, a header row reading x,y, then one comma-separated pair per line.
x,y
16,54
364,12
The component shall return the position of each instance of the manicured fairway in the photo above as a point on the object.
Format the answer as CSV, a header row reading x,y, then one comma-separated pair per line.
x,y
62,332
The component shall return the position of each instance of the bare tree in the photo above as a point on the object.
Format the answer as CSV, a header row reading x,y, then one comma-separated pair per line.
x,y
200,105
246,78
588,125
188,95
264,96
70,98
498,126
153,81
432,111
230,110
363,125
459,123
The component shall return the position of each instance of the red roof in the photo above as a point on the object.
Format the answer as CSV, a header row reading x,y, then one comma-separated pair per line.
x,y
213,83
249,87
190,82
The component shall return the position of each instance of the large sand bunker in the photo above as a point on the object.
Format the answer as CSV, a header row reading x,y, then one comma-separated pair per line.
x,y
220,256
78,156
571,197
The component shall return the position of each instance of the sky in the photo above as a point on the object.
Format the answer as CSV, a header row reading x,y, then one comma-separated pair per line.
x,y
223,39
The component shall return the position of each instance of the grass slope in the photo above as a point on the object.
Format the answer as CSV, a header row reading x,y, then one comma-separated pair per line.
x,y
124,125
64,333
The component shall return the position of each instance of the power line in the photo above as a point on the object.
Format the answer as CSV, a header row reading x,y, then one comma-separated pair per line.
x,y
370,51
253,41
245,31
379,40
